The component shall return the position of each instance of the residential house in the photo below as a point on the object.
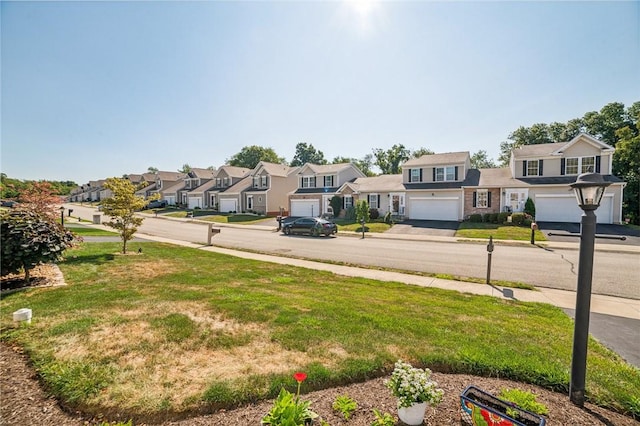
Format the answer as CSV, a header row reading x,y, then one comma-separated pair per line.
x,y
193,180
231,199
386,193
270,186
433,185
167,185
317,184
225,178
146,183
543,173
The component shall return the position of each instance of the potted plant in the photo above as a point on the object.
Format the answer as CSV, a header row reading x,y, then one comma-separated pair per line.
x,y
414,390
288,410
480,408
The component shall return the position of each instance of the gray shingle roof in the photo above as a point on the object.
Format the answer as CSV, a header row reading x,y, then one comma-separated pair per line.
x,y
437,159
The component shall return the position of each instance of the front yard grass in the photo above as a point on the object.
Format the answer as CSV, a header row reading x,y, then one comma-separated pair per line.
x,y
86,231
499,232
180,330
350,225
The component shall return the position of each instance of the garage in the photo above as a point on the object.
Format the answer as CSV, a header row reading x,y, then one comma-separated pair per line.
x,y
305,208
564,208
434,208
228,205
195,202
171,200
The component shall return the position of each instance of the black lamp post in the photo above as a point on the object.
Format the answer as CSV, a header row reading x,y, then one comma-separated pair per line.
x,y
589,189
62,216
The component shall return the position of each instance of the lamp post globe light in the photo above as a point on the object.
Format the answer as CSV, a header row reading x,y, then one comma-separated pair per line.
x,y
589,189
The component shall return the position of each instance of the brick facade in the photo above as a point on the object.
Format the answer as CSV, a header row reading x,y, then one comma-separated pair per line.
x,y
468,203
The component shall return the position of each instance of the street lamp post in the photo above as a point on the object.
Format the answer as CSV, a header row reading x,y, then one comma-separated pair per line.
x,y
62,216
589,189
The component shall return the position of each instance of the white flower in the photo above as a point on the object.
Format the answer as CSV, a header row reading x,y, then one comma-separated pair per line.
x,y
412,385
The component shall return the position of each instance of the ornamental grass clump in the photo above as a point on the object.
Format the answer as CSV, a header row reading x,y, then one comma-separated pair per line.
x,y
412,386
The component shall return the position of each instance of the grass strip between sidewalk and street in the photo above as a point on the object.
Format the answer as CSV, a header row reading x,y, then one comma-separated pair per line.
x,y
180,330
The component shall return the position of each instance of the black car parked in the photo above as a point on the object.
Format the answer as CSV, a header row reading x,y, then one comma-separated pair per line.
x,y
314,226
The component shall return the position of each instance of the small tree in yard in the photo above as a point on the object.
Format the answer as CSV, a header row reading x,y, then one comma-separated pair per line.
x,y
530,208
122,207
336,205
29,239
39,198
362,211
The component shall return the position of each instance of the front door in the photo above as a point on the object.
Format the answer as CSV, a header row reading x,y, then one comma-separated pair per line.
x,y
515,199
326,204
396,204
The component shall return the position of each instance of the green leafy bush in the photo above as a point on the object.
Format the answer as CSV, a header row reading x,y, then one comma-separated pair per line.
x,y
374,214
517,219
502,217
475,218
486,218
383,419
350,213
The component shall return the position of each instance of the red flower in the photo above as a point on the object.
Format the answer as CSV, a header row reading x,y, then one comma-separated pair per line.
x,y
300,377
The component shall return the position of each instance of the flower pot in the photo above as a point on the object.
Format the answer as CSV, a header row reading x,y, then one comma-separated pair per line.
x,y
413,415
480,408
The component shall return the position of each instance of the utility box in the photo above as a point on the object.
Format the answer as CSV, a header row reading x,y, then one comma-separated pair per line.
x,y
97,219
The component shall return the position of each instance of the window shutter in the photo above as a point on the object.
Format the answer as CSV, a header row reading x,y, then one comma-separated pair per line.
x,y
456,173
562,166
434,174
539,167
489,199
343,201
598,164
420,174
378,200
524,168
475,197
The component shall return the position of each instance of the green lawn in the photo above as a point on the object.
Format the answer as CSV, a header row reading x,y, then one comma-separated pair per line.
x,y
216,217
86,231
181,330
499,232
349,225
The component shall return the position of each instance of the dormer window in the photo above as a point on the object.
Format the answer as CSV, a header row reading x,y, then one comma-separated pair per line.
x,y
263,181
415,175
577,165
225,182
308,182
444,174
328,181
256,181
532,167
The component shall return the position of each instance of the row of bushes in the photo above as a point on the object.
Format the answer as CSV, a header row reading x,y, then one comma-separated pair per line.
x,y
517,219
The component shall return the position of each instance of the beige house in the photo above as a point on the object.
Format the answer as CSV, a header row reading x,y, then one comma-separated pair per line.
x,y
226,177
386,193
193,180
433,185
268,192
167,185
317,184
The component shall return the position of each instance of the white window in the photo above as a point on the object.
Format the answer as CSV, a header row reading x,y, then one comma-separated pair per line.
x,y
249,202
348,201
263,181
445,173
218,182
225,181
482,198
328,181
373,201
256,181
588,164
415,175
571,166
532,168
308,181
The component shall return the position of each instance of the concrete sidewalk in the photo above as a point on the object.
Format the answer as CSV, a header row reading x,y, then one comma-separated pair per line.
x,y
608,305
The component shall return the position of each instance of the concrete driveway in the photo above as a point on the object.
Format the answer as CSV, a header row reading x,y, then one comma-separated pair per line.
x,y
425,227
557,231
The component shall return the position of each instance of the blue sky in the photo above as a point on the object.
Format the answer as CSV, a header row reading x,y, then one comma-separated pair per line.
x,y
98,89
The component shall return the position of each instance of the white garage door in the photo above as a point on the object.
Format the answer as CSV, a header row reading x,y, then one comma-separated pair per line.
x,y
195,202
564,208
305,208
171,200
228,205
436,208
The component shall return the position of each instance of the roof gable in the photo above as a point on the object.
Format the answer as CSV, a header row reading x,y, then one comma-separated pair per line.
x,y
438,159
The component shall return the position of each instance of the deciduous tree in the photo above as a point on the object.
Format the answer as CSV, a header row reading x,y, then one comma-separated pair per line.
x,y
307,153
250,156
39,198
122,206
389,161
480,160
364,164
28,239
